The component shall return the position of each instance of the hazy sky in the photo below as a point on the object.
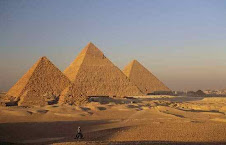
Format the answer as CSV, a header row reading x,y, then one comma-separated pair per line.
x,y
182,42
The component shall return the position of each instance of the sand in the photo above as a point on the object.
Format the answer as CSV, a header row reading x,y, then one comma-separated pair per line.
x,y
139,120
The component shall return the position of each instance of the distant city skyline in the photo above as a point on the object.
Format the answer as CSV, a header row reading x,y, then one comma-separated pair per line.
x,y
183,43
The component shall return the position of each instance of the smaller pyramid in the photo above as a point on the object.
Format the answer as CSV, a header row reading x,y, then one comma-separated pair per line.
x,y
143,78
42,84
72,95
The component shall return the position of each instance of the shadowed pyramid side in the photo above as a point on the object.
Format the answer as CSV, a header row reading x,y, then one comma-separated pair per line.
x,y
143,78
96,75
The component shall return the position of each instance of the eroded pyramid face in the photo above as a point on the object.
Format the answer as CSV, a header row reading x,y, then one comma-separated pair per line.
x,y
143,78
42,83
98,76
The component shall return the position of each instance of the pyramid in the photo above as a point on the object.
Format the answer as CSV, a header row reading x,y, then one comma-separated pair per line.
x,y
96,75
143,78
72,95
43,82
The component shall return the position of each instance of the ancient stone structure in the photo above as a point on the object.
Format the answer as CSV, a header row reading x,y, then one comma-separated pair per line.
x,y
143,78
41,85
96,75
72,95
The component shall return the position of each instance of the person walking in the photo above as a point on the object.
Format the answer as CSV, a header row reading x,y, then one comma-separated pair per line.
x,y
79,134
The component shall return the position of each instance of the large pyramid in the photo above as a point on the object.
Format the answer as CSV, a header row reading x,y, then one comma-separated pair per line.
x,y
42,83
96,75
143,78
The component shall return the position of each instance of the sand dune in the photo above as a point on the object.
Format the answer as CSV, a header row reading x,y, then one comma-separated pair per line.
x,y
140,120
15,113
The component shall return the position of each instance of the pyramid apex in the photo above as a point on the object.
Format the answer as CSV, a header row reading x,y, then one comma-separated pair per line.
x,y
90,48
90,45
90,42
43,57
134,60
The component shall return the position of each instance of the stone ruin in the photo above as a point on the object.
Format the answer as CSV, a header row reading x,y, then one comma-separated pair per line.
x,y
72,95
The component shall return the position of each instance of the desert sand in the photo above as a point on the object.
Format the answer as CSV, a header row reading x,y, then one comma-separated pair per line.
x,y
139,120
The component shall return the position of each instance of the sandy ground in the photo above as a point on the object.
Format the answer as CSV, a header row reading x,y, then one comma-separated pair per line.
x,y
142,120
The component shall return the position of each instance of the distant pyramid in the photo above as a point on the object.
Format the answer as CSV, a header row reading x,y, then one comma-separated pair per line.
x,y
98,76
143,78
42,82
